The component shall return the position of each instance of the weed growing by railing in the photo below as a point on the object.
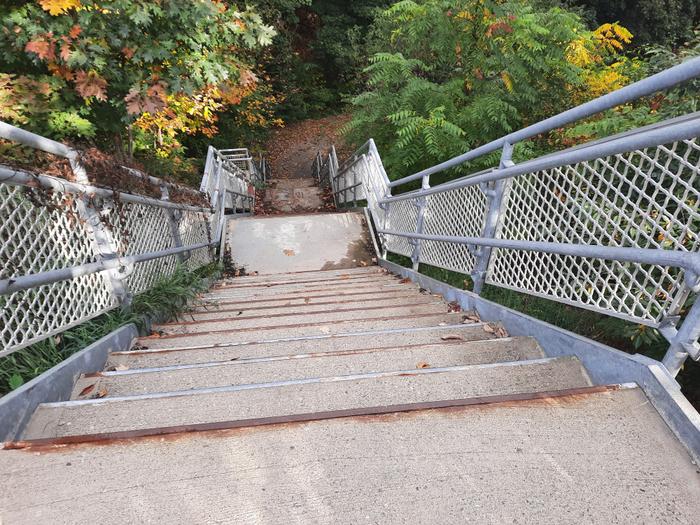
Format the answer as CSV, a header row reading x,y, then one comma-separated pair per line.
x,y
167,299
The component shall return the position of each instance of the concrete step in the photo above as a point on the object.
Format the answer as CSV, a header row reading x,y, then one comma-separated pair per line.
x,y
265,333
236,403
311,300
290,184
302,276
241,311
232,322
318,297
307,283
174,354
324,241
605,457
379,285
300,366
295,200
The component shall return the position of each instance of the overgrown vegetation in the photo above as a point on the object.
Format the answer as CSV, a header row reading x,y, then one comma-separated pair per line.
x,y
168,298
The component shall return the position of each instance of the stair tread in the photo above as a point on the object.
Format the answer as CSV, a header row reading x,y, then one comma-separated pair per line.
x,y
263,333
568,460
231,321
294,276
244,310
289,367
173,354
275,399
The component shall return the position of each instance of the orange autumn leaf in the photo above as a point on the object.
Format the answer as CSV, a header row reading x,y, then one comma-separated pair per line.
x,y
90,84
43,48
75,31
58,7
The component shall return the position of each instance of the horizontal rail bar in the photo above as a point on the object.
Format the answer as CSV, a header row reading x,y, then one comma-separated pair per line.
x,y
25,282
23,178
27,138
659,82
671,258
684,130
347,188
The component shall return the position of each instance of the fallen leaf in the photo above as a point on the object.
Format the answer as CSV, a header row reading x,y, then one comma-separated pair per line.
x,y
452,337
102,393
85,391
405,280
454,307
121,368
289,253
363,263
422,364
489,329
472,316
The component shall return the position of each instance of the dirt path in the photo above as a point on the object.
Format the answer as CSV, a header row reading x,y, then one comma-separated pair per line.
x,y
291,150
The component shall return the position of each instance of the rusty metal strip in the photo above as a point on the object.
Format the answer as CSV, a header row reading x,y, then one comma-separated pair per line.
x,y
291,314
112,437
299,325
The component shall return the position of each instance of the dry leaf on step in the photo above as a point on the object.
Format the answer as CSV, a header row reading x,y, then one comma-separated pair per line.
x,y
363,263
405,280
422,364
289,253
102,393
85,391
454,307
472,316
452,337
121,368
489,329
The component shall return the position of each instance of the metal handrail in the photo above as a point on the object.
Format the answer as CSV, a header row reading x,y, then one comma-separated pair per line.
x,y
685,129
648,86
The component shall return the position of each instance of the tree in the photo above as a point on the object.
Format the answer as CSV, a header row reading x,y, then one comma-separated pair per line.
x,y
107,62
457,74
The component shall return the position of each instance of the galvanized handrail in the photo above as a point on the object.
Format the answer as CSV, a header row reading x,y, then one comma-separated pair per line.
x,y
596,192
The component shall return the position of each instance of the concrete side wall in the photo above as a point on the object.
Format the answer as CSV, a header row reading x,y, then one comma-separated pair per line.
x,y
56,384
605,365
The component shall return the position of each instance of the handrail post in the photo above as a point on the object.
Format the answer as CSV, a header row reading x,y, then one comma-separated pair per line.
x,y
495,192
685,342
105,245
422,205
174,218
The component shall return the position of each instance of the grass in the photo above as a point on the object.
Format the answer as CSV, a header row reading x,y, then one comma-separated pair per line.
x,y
164,301
623,335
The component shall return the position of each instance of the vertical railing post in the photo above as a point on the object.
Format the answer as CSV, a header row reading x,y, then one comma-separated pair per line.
x,y
495,192
421,203
174,218
105,243
685,341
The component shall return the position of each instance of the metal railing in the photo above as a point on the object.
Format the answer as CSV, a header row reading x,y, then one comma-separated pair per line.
x,y
230,180
70,251
610,226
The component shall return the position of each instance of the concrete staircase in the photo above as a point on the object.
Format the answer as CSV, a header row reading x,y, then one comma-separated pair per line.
x,y
294,195
342,395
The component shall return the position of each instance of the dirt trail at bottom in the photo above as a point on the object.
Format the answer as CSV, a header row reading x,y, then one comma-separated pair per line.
x,y
291,150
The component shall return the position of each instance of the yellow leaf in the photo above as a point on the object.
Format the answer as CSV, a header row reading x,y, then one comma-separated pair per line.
x,y
507,81
58,7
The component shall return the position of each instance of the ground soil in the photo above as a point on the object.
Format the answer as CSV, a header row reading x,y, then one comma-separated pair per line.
x,y
291,150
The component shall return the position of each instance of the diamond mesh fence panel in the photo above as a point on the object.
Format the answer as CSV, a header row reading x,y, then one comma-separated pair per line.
x,y
643,199
42,231
458,213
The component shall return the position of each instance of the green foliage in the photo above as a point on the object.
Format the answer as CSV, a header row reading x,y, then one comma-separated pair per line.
x,y
662,22
458,74
164,301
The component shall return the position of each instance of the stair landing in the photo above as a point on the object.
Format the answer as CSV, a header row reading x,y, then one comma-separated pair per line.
x,y
299,243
